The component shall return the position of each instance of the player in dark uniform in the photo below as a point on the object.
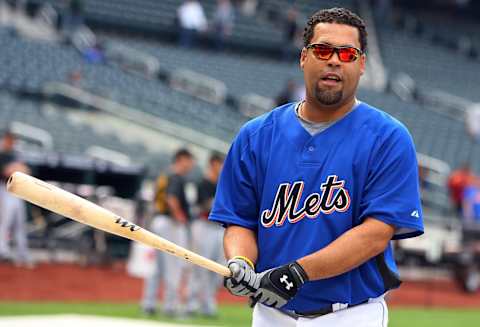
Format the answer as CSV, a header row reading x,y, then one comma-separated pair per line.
x,y
170,222
206,241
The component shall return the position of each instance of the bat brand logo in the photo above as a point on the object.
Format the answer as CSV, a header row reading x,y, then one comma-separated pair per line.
x,y
127,224
334,197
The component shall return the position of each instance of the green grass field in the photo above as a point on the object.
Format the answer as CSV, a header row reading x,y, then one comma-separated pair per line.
x,y
235,315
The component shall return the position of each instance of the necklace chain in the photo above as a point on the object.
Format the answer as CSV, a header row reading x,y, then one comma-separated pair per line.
x,y
301,113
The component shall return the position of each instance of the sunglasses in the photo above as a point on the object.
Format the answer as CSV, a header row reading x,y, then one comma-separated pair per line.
x,y
323,51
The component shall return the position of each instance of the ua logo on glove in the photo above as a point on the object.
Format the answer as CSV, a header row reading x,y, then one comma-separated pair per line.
x,y
284,280
279,285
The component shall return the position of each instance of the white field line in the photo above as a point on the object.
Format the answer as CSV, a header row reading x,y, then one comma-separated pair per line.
x,y
80,321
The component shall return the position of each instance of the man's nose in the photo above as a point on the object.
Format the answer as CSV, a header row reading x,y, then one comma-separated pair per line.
x,y
334,60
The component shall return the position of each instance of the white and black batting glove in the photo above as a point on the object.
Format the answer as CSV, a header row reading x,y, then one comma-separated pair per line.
x,y
244,281
279,285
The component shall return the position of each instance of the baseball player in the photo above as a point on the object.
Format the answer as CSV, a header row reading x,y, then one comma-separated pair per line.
x,y
312,192
13,212
171,222
206,241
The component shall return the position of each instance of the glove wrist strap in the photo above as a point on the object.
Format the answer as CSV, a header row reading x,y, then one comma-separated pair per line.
x,y
299,272
247,260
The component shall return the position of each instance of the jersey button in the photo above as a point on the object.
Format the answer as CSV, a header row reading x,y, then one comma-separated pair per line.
x,y
311,148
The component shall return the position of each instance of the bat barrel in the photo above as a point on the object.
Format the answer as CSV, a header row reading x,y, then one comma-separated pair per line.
x,y
74,207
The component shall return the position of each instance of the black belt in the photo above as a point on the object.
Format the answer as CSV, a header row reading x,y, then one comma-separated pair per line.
x,y
317,313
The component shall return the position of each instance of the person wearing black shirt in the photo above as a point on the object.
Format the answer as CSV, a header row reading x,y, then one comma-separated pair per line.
x,y
170,222
203,299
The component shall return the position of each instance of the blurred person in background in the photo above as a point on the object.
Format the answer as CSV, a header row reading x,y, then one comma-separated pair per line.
x,y
457,181
472,122
290,33
471,200
292,92
466,269
223,20
73,17
171,221
192,21
203,299
13,212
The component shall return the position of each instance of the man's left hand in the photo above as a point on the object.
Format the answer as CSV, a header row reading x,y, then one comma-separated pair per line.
x,y
279,285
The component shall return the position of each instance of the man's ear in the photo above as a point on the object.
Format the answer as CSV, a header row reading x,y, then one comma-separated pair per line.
x,y
363,63
303,57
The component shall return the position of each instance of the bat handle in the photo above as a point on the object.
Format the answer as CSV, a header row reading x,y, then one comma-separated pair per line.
x,y
224,271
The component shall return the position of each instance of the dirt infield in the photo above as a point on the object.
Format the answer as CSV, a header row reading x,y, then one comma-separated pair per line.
x,y
67,282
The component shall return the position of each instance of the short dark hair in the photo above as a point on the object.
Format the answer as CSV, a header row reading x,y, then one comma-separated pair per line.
x,y
338,16
183,152
216,156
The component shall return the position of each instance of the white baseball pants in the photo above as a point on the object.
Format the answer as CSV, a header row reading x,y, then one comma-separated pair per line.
x,y
168,267
371,314
13,221
207,240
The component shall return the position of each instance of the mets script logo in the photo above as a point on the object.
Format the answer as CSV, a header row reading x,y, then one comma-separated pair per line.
x,y
125,223
334,197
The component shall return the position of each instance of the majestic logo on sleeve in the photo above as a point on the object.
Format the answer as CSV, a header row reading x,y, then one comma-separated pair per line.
x,y
334,197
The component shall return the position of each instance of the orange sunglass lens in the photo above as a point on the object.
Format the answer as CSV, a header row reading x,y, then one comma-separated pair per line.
x,y
347,54
323,52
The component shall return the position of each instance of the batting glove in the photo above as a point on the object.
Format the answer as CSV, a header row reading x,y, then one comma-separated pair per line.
x,y
279,285
244,281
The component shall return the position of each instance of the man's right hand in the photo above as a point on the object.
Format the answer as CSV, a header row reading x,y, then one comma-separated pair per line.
x,y
244,281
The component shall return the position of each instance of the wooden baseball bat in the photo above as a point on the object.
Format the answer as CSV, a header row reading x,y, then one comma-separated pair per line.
x,y
69,205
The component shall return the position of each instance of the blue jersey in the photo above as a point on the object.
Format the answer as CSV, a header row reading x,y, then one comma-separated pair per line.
x,y
300,192
471,204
